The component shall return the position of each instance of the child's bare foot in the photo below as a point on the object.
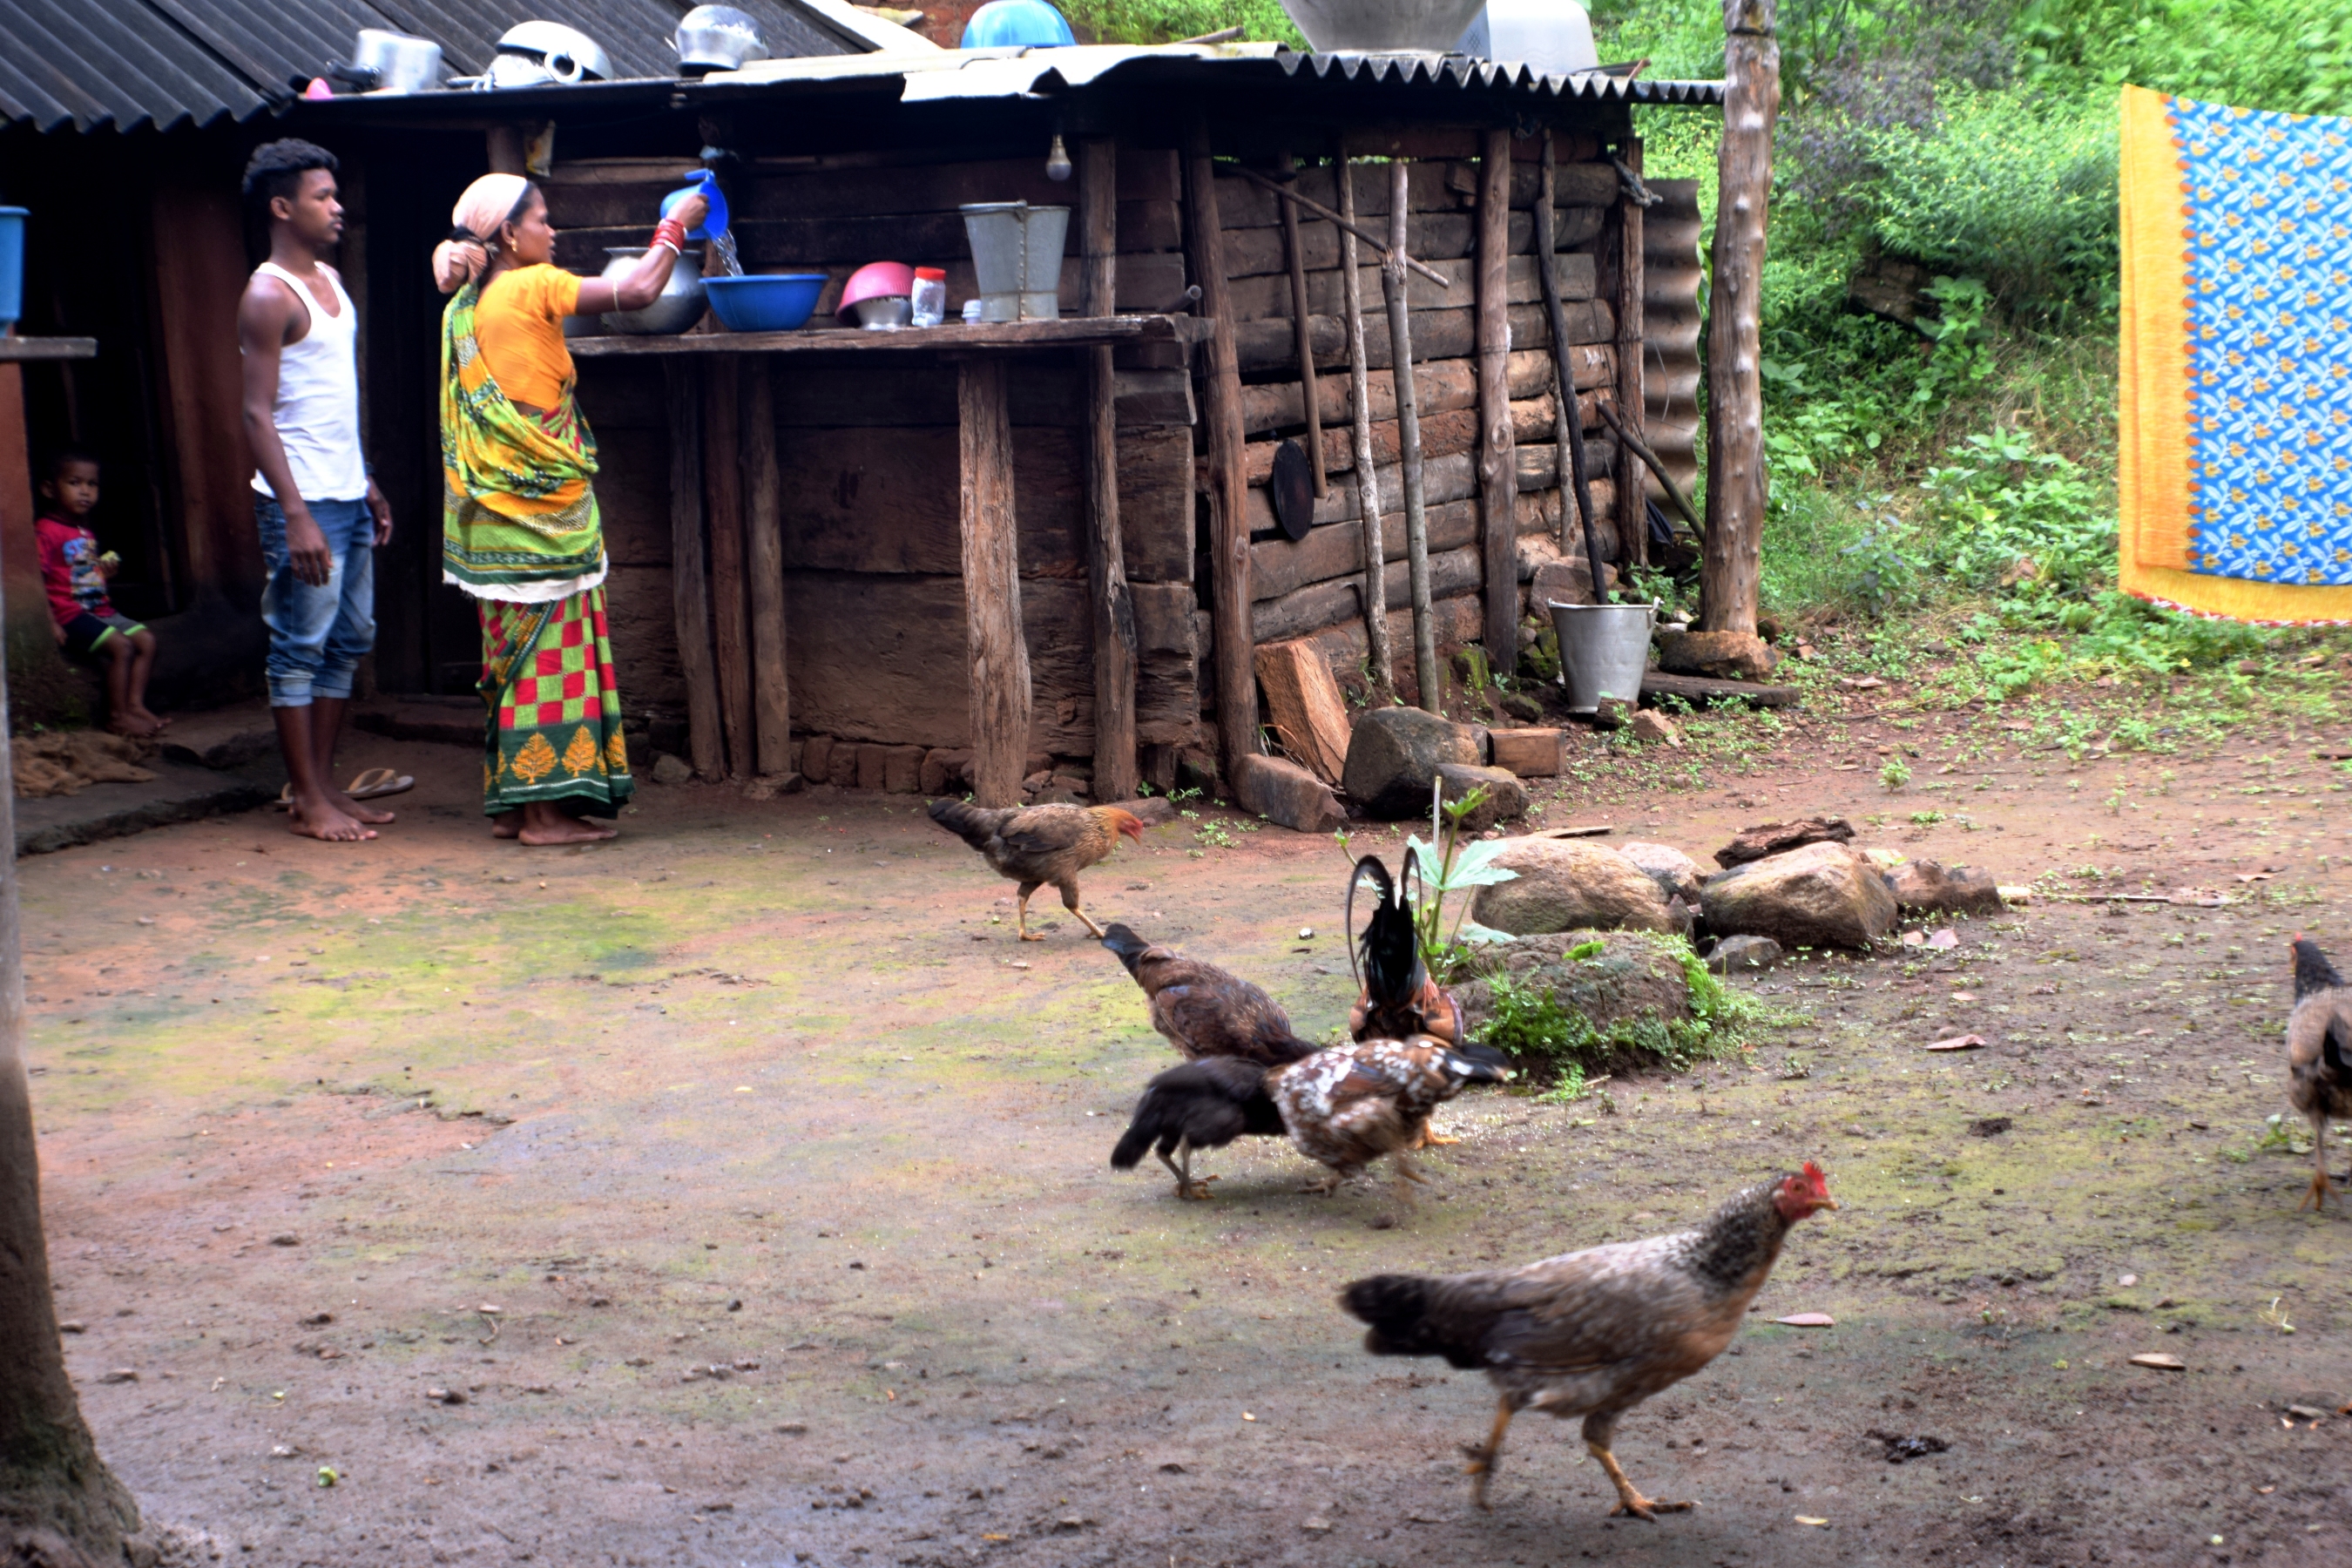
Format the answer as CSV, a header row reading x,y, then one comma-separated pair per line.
x,y
151,717
316,818
133,724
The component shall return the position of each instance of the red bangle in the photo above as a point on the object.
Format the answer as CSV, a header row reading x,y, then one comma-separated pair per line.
x,y
672,233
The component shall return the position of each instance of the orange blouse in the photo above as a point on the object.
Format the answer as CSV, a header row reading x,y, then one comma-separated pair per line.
x,y
518,325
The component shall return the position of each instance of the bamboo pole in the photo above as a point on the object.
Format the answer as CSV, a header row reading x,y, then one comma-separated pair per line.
x,y
1498,487
1548,264
1383,249
1633,498
1367,484
1112,606
764,560
722,496
992,586
1731,561
689,577
1300,325
1416,517
1220,396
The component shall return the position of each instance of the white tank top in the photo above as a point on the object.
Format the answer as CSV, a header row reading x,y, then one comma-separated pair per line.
x,y
318,407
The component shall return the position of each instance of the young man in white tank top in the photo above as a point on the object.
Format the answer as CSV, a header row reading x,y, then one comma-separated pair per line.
x,y
319,511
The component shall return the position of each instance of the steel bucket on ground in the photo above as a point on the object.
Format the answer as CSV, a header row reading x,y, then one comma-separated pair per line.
x,y
1603,651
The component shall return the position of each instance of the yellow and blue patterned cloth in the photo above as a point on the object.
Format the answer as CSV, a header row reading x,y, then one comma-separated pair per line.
x,y
2236,362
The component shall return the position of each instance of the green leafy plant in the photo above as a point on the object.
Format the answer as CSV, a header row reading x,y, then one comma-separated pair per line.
x,y
1895,773
1459,868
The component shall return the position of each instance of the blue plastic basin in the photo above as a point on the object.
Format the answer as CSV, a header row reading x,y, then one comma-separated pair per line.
x,y
766,303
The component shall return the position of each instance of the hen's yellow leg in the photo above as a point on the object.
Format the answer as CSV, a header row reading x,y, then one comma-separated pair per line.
x,y
1022,919
1630,1502
1482,1458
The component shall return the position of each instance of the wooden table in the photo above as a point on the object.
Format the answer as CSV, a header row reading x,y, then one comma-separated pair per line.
x,y
722,703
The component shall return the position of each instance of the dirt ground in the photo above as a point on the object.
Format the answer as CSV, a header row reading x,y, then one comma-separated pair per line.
x,y
749,1183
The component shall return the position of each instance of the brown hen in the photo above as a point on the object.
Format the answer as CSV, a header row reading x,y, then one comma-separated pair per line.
x,y
1204,1011
2319,1056
1593,1333
1037,844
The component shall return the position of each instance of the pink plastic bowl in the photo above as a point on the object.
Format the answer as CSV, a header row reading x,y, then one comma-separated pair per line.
x,y
875,280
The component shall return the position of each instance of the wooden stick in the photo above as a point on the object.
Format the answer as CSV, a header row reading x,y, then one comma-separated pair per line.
x,y
1368,485
1498,487
1548,264
1640,449
722,500
763,558
1393,247
1632,500
689,578
1299,324
1220,396
1732,559
1112,607
1416,518
992,586
1563,414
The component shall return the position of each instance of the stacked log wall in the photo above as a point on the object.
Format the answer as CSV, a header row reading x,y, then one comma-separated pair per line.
x,y
1313,587
868,463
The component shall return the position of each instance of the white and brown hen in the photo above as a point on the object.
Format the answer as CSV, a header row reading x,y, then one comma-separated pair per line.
x,y
2319,1056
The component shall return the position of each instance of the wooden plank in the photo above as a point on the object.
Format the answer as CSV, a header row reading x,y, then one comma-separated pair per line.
x,y
1530,753
1445,384
1442,436
1430,188
979,338
1439,238
999,658
689,577
1256,299
1730,563
1320,605
1497,481
1633,519
877,499
1150,226
1155,505
1143,398
1229,560
763,558
1110,610
1337,550
722,500
1699,688
1262,346
1149,174
1303,707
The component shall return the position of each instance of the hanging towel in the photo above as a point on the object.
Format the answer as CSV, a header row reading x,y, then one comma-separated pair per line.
x,y
2235,468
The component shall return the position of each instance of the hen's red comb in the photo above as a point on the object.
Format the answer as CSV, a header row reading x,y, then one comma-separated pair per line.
x,y
1818,1183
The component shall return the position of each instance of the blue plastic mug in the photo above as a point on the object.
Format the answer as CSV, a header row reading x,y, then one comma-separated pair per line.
x,y
12,264
715,220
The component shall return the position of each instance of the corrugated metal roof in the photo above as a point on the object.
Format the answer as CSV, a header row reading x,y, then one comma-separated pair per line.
x,y
1461,70
131,64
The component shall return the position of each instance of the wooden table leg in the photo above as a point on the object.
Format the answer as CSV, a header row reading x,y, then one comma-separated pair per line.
x,y
689,581
991,587
764,565
722,494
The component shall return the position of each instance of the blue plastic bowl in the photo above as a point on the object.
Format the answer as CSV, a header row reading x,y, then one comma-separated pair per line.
x,y
766,303
1005,24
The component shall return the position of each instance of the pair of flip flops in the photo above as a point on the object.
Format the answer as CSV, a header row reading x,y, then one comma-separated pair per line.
x,y
369,785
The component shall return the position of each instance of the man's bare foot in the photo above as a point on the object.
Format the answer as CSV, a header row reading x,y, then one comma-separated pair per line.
x,y
544,824
316,818
374,815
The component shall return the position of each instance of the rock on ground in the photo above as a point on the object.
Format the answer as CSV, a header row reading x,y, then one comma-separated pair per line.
x,y
1926,887
1821,895
1743,954
1634,975
1675,873
1506,797
1564,884
1651,727
670,769
1776,837
1393,755
1286,794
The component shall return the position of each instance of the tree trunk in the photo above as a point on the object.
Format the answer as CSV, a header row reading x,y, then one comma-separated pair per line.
x,y
58,1502
1735,392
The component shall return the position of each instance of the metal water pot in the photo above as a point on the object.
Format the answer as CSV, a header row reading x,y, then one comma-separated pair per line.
x,y
718,37
678,306
400,63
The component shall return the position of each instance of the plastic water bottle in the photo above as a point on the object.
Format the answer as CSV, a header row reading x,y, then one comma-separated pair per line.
x,y
930,296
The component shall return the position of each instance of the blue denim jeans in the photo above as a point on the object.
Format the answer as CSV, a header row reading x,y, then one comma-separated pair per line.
x,y
317,635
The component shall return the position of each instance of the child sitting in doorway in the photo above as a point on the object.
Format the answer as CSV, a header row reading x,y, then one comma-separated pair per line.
x,y
74,571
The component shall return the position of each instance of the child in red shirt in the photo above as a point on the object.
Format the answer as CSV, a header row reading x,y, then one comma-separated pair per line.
x,y
85,620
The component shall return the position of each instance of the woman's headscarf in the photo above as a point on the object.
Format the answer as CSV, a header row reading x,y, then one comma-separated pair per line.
x,y
489,204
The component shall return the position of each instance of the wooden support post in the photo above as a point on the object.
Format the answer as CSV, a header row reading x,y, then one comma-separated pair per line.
x,y
1112,607
1498,487
1368,485
1580,487
1299,322
763,564
690,580
992,586
722,500
1408,406
1732,560
508,148
1632,494
1220,385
